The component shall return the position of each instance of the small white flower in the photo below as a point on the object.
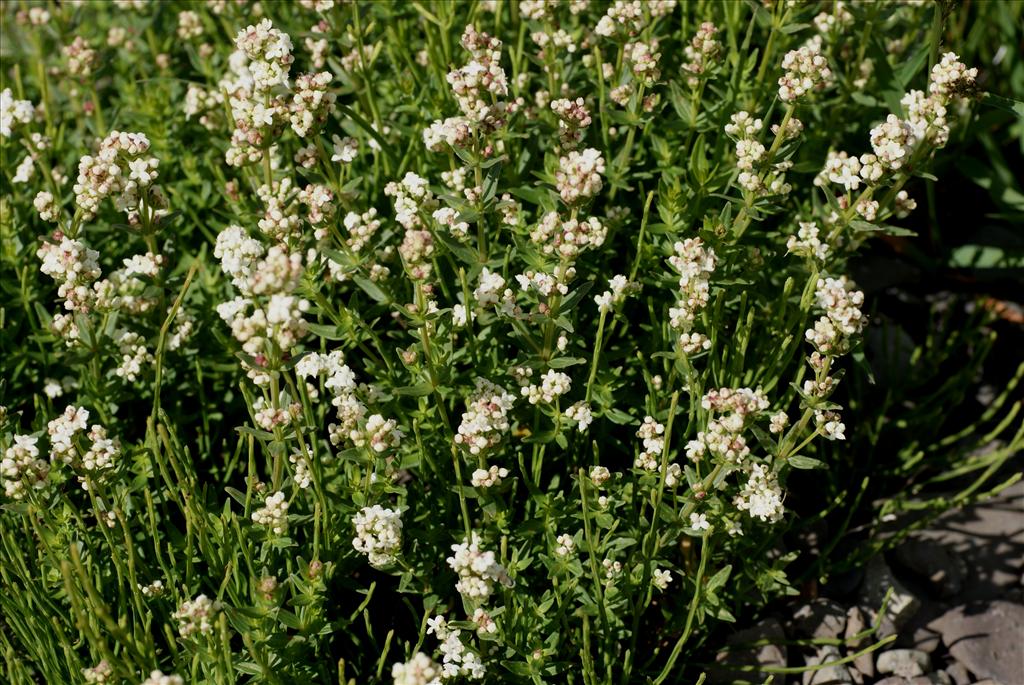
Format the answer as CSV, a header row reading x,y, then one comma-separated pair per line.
x,y
699,521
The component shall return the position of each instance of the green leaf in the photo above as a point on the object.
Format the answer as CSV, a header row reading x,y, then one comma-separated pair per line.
x,y
718,580
371,289
1016,107
563,362
325,331
418,390
799,462
987,257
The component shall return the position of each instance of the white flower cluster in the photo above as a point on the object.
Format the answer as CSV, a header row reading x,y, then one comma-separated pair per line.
x,y
806,70
378,534
580,415
644,57
695,264
21,468
158,678
13,112
951,77
842,318
479,84
652,434
361,228
312,103
661,578
565,545
273,514
761,496
75,267
457,660
478,570
849,171
66,446
896,140
417,251
623,18
893,142
196,616
829,424
448,218
567,239
741,401
120,170
701,53
133,352
573,120
270,54
749,151
267,308
412,195
490,288
488,478
553,384
579,175
100,673
806,242
260,64
486,419
80,56
189,25
723,437
455,132
419,670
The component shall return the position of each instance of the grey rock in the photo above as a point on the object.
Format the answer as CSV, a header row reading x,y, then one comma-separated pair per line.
x,y
830,675
918,632
772,654
986,638
904,662
957,672
989,538
931,562
902,604
856,624
892,680
937,678
988,681
820,618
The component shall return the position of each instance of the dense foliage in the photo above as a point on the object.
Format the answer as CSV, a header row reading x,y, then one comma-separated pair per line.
x,y
487,341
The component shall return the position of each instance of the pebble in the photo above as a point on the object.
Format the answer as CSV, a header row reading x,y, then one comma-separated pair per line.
x,y
902,604
830,675
904,662
855,624
958,673
986,638
937,678
820,618
772,654
931,562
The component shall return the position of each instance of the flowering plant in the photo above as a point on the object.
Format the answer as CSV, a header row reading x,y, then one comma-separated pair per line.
x,y
434,342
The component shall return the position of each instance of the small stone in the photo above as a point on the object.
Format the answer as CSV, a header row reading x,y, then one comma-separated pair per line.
x,y
985,637
937,678
830,675
934,564
821,618
772,654
892,680
904,662
957,672
902,604
855,625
